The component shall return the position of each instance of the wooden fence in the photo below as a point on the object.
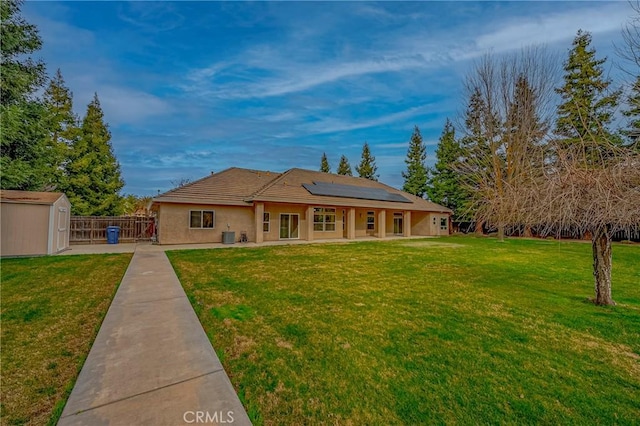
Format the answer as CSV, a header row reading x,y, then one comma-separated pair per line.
x,y
518,231
93,229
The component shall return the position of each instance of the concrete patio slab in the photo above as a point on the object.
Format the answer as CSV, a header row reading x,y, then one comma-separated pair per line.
x,y
149,247
151,362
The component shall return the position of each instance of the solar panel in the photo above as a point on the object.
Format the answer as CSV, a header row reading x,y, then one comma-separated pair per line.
x,y
328,189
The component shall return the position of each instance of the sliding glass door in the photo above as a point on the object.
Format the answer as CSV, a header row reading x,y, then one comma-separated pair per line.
x,y
289,226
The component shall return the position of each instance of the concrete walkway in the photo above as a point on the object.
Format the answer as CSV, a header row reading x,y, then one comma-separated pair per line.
x,y
152,363
149,247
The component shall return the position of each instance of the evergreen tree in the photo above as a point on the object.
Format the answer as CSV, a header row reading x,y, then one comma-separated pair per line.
x,y
24,158
344,168
587,105
367,168
475,155
94,179
62,124
417,174
632,132
324,164
445,186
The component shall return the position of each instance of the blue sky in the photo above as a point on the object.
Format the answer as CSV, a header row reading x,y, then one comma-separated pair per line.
x,y
193,87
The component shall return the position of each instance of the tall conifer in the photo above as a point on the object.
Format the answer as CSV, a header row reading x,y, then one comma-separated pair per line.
x,y
417,174
94,172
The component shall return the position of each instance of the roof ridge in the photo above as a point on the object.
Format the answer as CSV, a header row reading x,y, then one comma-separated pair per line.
x,y
194,182
352,177
269,184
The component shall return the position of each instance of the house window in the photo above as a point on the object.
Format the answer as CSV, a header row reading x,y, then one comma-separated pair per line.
x,y
202,219
371,221
266,222
324,219
443,223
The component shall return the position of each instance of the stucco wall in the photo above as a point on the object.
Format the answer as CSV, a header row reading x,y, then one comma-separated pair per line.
x,y
275,210
389,221
434,224
420,224
361,223
173,223
24,230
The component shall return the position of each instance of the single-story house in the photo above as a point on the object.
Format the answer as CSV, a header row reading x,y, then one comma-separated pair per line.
x,y
33,223
297,204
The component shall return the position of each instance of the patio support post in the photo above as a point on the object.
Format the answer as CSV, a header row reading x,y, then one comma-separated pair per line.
x,y
382,224
310,223
259,210
351,223
406,224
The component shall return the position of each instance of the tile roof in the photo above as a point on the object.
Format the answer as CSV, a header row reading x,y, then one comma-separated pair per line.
x,y
236,186
232,186
29,197
288,189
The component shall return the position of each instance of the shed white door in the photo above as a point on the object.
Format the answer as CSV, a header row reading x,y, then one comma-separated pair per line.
x,y
62,228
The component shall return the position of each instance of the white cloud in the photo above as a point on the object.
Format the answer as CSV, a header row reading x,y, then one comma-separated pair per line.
x,y
124,105
332,125
295,78
552,28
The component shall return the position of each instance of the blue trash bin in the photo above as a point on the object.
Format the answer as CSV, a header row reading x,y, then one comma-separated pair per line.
x,y
113,234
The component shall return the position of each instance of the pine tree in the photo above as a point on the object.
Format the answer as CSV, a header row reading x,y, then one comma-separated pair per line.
x,y
344,168
417,174
632,132
93,171
24,157
367,168
62,124
587,105
445,186
324,164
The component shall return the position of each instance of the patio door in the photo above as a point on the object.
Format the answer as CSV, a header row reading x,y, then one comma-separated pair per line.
x,y
397,224
289,226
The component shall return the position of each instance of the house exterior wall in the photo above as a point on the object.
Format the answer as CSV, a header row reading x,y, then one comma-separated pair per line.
x,y
361,223
434,224
174,219
173,222
391,214
25,229
420,224
275,210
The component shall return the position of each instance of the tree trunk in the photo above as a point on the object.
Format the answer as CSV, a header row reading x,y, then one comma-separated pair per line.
x,y
501,233
601,245
479,226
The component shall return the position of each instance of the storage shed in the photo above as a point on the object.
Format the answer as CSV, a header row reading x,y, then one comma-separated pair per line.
x,y
33,223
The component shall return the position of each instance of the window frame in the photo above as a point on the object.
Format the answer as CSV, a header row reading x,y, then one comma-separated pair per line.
x,y
371,224
202,213
324,213
444,224
266,220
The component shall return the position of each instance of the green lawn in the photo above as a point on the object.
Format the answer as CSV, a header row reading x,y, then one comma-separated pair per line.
x,y
451,330
52,308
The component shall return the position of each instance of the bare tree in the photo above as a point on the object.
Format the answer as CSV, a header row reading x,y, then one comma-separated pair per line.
x,y
178,183
567,194
583,181
509,113
630,50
